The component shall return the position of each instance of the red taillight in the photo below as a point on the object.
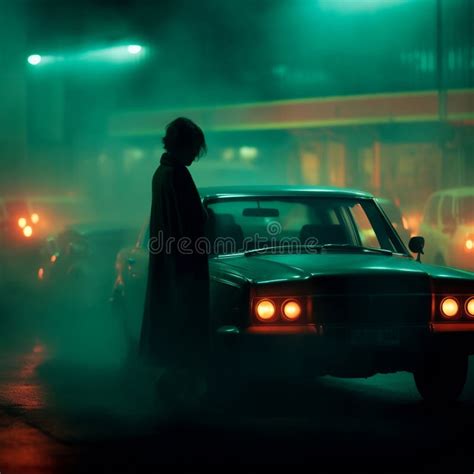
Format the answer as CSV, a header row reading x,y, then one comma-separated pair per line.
x,y
27,231
22,222
35,218
265,310
449,307
291,310
281,309
469,307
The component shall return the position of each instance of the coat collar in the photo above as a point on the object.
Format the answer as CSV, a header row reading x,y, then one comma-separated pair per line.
x,y
168,160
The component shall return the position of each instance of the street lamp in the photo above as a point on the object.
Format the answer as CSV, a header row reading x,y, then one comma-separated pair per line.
x,y
134,49
34,59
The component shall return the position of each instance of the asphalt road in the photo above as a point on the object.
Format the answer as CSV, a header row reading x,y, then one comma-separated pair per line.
x,y
71,401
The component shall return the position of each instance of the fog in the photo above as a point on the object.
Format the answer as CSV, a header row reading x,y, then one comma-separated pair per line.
x,y
305,92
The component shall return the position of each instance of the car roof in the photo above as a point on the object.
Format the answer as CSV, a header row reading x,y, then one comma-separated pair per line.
x,y
95,228
458,192
280,191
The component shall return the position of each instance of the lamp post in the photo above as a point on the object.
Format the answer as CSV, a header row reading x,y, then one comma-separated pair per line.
x,y
440,63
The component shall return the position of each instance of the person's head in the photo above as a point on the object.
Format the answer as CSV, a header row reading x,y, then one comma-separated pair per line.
x,y
184,140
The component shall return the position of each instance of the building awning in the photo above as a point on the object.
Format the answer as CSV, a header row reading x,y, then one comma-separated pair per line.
x,y
407,107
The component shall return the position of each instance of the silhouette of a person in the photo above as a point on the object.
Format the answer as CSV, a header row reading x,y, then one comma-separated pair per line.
x,y
175,328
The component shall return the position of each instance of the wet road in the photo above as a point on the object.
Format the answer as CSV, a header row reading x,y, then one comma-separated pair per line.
x,y
70,402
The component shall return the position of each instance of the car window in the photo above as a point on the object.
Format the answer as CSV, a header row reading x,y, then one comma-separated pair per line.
x,y
466,210
253,223
364,227
447,210
431,213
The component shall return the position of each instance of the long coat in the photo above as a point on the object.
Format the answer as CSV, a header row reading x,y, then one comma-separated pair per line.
x,y
175,326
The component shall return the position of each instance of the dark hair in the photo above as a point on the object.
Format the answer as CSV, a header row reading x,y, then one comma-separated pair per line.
x,y
184,134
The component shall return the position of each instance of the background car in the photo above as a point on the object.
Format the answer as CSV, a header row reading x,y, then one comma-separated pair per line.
x,y
77,264
448,227
315,294
25,221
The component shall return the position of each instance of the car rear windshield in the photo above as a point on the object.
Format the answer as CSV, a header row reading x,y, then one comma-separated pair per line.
x,y
249,223
466,210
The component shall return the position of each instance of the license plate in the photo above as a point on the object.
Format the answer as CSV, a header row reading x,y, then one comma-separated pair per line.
x,y
375,337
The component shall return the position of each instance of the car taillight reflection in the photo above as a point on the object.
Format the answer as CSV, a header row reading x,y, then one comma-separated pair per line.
x,y
449,307
265,310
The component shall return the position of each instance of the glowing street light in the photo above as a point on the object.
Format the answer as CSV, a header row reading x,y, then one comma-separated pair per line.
x,y
134,49
34,59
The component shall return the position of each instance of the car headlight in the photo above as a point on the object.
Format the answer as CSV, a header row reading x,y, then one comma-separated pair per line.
x,y
449,307
469,306
291,310
265,310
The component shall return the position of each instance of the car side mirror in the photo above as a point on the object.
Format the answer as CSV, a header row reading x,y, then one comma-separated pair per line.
x,y
416,245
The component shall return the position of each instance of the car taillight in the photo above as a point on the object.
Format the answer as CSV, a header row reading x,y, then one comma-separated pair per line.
x,y
281,309
265,310
449,307
27,231
35,218
469,307
469,244
22,222
291,310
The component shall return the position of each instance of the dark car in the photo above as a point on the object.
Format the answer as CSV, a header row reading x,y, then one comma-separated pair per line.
x,y
77,263
309,281
25,222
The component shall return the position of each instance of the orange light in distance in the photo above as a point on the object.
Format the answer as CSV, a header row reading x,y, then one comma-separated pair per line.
x,y
53,258
40,273
470,307
28,231
21,222
35,218
292,310
449,307
469,244
265,310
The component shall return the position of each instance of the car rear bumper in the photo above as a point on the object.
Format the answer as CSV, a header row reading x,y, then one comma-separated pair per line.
x,y
318,350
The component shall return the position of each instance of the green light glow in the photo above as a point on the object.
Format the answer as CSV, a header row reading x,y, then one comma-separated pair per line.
x,y
134,48
34,59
